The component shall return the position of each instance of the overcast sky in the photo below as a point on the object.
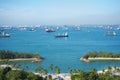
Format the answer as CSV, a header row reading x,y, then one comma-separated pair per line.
x,y
16,12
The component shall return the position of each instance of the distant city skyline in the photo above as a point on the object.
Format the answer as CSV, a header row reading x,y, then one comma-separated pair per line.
x,y
59,12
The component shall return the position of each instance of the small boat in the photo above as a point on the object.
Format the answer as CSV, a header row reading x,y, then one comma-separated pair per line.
x,y
49,30
118,28
23,28
77,28
4,34
109,28
37,60
111,34
61,35
32,29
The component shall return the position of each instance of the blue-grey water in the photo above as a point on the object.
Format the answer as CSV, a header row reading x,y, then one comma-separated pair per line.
x,y
63,52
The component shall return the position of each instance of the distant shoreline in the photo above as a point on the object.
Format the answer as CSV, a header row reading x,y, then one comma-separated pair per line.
x,y
22,59
100,55
97,58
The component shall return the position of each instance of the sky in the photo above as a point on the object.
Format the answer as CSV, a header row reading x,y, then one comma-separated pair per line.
x,y
59,12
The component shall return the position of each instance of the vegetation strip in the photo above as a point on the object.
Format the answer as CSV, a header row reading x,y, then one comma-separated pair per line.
x,y
12,72
17,56
100,55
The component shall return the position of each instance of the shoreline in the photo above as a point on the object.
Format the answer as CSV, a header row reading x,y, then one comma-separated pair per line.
x,y
64,76
22,59
97,58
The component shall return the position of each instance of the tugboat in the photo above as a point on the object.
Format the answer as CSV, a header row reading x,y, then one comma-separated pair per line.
x,y
61,35
111,34
49,30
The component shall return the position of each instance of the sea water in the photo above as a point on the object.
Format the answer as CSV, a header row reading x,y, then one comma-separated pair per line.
x,y
62,52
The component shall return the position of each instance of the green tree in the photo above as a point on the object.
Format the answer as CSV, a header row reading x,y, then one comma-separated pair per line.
x,y
6,70
49,77
16,75
115,68
93,75
57,69
79,71
2,76
40,70
44,71
51,67
70,71
31,76
109,69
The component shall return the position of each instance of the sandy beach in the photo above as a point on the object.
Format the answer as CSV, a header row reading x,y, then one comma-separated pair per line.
x,y
22,59
98,58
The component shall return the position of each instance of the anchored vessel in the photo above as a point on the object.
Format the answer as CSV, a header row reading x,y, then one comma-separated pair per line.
x,y
61,35
4,34
49,30
111,34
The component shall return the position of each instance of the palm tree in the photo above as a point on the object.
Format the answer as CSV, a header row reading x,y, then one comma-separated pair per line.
x,y
39,69
109,68
49,77
51,67
70,71
79,71
75,71
115,68
118,69
94,70
57,69
103,70
44,71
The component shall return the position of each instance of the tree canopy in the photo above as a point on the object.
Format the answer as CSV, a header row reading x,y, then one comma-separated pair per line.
x,y
6,54
102,54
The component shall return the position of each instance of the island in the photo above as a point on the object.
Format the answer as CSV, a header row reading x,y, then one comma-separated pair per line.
x,y
100,55
18,56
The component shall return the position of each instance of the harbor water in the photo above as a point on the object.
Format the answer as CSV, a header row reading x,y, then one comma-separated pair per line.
x,y
63,52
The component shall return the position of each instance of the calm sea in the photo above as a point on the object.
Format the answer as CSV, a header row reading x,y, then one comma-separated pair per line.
x,y
63,52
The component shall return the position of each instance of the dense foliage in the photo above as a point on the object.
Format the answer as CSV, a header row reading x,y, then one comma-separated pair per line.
x,y
76,74
9,74
102,54
6,54
93,75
